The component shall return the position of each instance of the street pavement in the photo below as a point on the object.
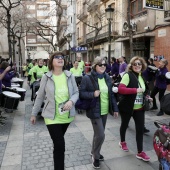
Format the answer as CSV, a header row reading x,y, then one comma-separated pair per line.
x,y
29,147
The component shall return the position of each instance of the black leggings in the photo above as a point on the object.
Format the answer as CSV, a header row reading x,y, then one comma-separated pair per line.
x,y
57,132
138,116
154,92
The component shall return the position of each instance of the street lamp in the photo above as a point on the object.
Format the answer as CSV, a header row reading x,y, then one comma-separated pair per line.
x,y
109,15
69,38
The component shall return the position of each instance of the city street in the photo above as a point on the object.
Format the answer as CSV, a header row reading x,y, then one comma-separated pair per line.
x,y
29,147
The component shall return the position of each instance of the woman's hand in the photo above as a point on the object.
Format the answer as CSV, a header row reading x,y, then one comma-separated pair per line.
x,y
97,93
68,105
33,120
115,114
140,90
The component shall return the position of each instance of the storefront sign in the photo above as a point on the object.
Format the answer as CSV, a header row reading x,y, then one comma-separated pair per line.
x,y
154,4
79,49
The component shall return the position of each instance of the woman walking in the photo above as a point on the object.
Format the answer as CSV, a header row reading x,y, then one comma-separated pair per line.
x,y
160,84
133,87
105,103
61,93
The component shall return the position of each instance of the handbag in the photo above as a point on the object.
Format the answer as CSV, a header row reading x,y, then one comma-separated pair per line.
x,y
86,104
146,102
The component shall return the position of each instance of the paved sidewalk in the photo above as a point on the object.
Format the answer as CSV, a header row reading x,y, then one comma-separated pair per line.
x,y
28,147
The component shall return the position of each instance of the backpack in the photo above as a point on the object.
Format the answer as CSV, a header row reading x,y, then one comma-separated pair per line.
x,y
165,103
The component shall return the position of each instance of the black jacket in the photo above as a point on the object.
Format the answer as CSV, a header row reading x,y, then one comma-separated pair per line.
x,y
126,102
87,92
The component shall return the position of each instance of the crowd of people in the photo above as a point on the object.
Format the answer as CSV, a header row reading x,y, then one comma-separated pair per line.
x,y
62,84
61,89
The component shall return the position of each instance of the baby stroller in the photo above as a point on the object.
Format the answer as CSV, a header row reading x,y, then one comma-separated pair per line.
x,y
161,143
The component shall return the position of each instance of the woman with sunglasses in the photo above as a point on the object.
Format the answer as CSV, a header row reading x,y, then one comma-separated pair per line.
x,y
101,89
59,89
132,87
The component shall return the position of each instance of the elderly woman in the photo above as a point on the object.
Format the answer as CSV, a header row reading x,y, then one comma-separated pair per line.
x,y
160,84
132,87
6,81
59,89
105,104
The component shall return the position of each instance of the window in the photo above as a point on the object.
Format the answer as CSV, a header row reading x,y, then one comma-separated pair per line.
x,y
136,7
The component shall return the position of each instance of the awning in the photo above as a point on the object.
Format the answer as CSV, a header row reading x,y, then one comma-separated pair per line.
x,y
147,34
40,54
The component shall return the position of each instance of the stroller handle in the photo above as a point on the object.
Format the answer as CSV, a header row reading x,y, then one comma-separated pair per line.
x,y
158,123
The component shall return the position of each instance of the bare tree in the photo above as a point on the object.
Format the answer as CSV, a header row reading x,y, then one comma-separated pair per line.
x,y
6,6
96,27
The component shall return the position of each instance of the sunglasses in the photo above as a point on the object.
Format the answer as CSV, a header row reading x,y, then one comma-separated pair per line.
x,y
137,64
59,56
100,65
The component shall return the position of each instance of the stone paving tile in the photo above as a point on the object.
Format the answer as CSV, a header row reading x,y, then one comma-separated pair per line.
x,y
37,151
2,151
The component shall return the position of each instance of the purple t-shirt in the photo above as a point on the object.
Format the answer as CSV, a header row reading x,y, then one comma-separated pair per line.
x,y
122,67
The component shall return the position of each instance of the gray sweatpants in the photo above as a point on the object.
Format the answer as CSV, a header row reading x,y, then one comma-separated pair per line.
x,y
99,135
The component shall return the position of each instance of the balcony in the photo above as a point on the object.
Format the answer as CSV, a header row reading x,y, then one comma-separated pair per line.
x,y
82,15
104,33
167,16
93,5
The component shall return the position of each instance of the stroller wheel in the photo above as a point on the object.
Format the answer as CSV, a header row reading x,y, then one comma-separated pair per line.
x,y
160,167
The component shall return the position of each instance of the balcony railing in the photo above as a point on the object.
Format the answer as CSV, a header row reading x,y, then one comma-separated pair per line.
x,y
167,16
93,5
104,33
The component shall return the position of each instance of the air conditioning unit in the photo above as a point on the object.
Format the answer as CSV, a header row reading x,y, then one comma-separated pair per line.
x,y
126,27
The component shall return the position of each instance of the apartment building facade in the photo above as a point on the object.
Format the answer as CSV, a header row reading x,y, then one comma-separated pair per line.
x,y
151,28
91,17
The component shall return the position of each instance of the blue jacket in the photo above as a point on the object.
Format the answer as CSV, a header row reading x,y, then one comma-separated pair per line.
x,y
87,92
161,81
115,69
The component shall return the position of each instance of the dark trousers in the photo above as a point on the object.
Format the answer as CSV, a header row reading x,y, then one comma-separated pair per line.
x,y
57,132
99,135
138,116
154,92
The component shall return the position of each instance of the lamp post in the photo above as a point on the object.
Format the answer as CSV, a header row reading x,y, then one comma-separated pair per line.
x,y
109,15
69,38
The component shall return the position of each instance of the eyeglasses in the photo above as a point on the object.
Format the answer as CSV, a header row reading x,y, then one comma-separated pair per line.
x,y
59,56
100,65
137,64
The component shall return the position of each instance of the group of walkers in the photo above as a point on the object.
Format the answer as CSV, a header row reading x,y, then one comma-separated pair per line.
x,y
59,89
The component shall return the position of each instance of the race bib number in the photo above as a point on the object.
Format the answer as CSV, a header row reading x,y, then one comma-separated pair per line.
x,y
60,108
139,99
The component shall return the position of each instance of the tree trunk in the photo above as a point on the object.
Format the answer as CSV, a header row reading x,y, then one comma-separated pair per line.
x,y
19,53
9,33
13,47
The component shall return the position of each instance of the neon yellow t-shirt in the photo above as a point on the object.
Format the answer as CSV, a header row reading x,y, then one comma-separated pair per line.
x,y
81,65
61,96
76,72
104,97
32,77
30,65
139,97
40,71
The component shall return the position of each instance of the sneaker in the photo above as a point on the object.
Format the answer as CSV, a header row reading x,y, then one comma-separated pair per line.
x,y
143,156
123,146
95,163
101,157
146,130
160,113
154,108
